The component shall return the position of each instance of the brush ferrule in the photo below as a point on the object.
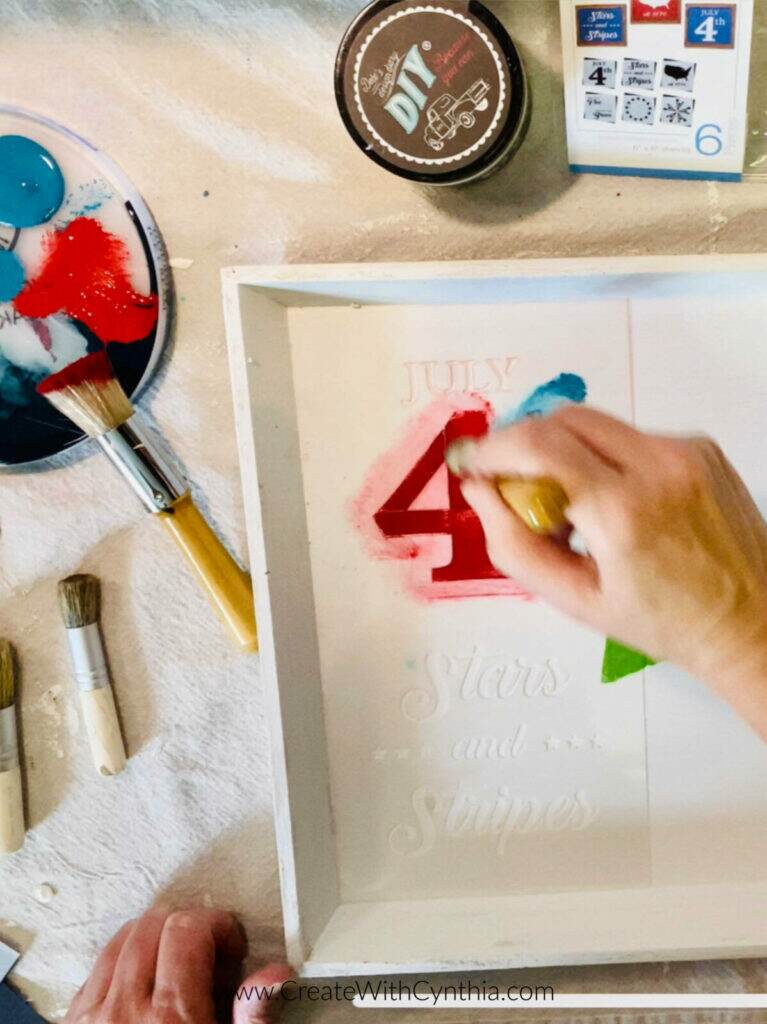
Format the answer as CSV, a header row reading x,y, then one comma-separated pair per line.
x,y
151,475
9,741
89,662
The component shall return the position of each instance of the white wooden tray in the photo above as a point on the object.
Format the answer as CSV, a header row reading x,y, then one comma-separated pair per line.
x,y
454,788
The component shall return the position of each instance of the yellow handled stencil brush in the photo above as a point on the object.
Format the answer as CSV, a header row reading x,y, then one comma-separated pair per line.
x,y
89,394
541,503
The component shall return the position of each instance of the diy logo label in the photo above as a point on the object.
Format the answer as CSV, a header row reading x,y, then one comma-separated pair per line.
x,y
657,12
405,106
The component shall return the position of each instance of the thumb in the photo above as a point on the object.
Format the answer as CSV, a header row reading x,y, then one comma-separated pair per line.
x,y
542,565
259,998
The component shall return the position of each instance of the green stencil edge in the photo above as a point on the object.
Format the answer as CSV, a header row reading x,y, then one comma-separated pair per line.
x,y
620,662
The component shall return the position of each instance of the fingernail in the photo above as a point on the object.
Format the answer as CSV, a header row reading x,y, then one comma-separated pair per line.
x,y
459,456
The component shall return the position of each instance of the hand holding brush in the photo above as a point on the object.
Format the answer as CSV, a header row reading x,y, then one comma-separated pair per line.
x,y
89,394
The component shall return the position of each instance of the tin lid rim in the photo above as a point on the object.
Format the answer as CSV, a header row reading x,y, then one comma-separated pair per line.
x,y
507,132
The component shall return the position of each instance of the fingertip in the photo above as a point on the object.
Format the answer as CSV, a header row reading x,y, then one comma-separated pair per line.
x,y
273,974
483,496
260,997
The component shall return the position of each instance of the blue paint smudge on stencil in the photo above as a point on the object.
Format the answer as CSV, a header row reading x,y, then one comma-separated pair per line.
x,y
11,275
31,182
566,389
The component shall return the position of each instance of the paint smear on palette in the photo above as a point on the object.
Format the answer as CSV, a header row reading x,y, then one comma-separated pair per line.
x,y
86,200
411,510
84,275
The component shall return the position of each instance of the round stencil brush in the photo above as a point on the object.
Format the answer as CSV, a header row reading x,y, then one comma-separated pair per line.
x,y
541,504
12,829
80,603
88,393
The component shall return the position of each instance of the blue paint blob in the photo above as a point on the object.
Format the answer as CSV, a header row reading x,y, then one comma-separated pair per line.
x,y
31,183
565,389
11,275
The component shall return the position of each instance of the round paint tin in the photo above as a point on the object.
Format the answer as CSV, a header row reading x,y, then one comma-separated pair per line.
x,y
435,93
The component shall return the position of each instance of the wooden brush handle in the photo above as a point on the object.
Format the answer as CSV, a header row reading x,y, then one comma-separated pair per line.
x,y
12,828
103,728
228,587
541,504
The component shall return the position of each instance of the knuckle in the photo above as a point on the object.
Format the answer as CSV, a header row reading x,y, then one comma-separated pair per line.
x,y
570,413
683,464
628,526
168,1014
183,920
532,433
84,1017
113,1012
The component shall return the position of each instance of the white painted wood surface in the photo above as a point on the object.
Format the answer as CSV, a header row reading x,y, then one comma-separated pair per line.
x,y
300,337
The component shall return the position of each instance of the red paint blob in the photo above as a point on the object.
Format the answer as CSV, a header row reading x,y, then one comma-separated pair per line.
x,y
397,518
84,275
94,368
411,510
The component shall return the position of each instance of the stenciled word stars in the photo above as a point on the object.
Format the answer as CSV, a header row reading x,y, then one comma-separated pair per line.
x,y
480,676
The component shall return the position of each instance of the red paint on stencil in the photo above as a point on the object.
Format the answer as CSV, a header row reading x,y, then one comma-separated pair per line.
x,y
94,368
662,12
410,494
85,275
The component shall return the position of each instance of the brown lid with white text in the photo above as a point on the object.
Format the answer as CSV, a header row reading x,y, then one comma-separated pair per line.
x,y
431,91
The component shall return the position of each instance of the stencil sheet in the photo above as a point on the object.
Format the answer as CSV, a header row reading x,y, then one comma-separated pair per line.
x,y
473,748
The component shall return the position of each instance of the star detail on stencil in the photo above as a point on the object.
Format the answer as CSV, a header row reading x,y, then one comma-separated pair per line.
x,y
596,743
551,743
574,743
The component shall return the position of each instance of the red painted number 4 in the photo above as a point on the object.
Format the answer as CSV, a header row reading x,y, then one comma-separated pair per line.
x,y
397,518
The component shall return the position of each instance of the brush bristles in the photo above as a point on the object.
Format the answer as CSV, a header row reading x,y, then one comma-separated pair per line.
x,y
80,600
95,407
7,675
88,393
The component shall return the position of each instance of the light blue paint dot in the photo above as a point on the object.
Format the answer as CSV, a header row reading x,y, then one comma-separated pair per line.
x,y
31,183
11,276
